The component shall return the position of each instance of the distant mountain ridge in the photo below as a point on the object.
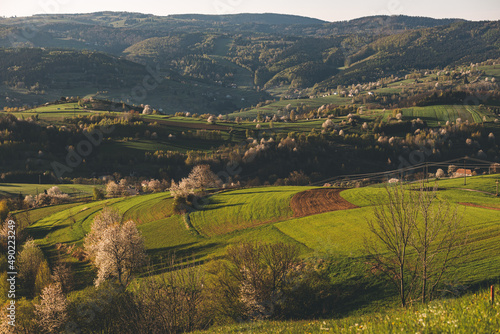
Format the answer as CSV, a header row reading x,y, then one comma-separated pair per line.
x,y
222,63
390,23
104,18
259,18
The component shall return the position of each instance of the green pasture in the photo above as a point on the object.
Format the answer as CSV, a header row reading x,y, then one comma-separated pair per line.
x,y
272,108
235,210
14,189
443,113
264,214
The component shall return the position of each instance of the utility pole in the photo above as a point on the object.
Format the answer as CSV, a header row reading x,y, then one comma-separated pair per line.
x,y
497,187
426,172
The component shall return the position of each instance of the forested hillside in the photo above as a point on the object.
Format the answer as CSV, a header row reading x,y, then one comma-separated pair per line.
x,y
224,62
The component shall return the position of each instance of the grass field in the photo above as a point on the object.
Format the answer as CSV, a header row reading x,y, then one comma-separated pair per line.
x,y
74,190
491,70
240,209
272,108
472,313
443,113
264,214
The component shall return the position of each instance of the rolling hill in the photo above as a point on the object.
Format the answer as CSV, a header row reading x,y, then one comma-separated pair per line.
x,y
249,57
243,18
232,216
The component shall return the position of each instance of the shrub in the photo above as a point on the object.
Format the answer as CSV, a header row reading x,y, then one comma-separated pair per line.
x,y
297,179
97,194
256,279
440,173
4,209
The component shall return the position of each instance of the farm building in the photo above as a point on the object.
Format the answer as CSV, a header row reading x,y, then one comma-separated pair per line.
x,y
461,172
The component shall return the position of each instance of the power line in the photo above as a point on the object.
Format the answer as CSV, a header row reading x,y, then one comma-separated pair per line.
x,y
376,175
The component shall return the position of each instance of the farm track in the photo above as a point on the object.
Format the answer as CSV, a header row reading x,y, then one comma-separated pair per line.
x,y
191,125
480,206
315,201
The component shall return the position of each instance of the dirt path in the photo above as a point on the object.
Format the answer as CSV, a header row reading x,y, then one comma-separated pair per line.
x,y
316,201
191,125
479,191
479,206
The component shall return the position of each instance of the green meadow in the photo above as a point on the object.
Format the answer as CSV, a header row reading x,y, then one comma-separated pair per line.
x,y
264,214
74,190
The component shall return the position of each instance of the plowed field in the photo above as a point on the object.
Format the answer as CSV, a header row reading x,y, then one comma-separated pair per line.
x,y
316,201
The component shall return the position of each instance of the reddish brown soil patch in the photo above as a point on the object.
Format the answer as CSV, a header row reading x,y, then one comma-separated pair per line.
x,y
312,202
479,206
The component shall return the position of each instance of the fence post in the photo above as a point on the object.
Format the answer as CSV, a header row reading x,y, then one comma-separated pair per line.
x,y
492,295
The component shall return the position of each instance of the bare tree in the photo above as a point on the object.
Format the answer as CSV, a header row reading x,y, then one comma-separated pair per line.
x,y
255,281
437,239
173,302
418,240
392,227
52,312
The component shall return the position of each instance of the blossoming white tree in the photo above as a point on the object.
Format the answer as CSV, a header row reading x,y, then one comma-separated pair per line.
x,y
201,177
327,124
116,249
119,252
52,312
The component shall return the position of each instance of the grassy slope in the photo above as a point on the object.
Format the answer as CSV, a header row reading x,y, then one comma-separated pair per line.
x,y
272,108
444,113
13,189
471,313
264,214
230,211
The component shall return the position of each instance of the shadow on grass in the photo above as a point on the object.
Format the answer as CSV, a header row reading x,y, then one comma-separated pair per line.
x,y
218,206
40,232
194,252
357,289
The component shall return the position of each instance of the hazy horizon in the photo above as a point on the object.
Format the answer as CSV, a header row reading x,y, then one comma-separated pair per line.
x,y
319,9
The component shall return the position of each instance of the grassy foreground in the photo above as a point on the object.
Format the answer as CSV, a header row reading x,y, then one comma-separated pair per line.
x,y
471,313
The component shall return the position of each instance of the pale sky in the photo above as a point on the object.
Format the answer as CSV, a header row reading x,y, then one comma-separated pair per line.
x,y
329,10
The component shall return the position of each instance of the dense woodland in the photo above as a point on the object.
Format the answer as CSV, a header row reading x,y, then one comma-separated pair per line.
x,y
203,54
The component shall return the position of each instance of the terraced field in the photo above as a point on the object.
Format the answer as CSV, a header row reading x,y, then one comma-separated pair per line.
x,y
235,210
272,108
443,113
272,214
14,189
